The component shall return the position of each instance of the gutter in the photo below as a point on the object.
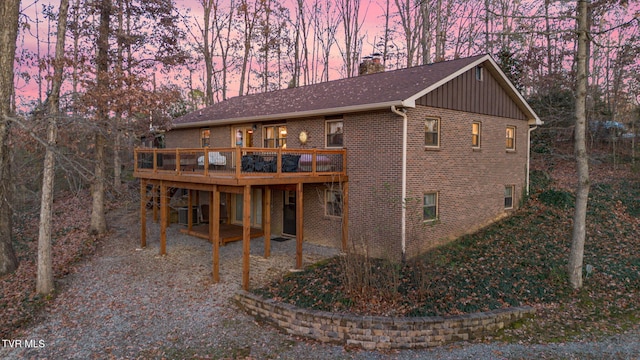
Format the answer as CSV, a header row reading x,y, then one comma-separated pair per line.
x,y
529,155
403,229
206,121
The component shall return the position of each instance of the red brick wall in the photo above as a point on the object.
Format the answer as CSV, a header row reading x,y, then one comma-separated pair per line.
x,y
470,183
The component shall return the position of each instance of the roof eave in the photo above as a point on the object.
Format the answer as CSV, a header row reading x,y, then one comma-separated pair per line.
x,y
298,114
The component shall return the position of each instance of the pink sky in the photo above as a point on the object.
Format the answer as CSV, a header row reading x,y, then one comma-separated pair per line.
x,y
27,90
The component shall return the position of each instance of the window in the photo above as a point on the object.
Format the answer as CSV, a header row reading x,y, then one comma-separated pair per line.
x,y
479,73
333,202
275,136
511,138
334,133
205,137
432,132
508,196
430,207
475,134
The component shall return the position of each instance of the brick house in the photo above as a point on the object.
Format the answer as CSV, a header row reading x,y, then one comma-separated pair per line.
x,y
430,153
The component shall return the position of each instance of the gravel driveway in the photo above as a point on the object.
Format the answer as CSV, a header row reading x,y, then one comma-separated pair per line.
x,y
128,303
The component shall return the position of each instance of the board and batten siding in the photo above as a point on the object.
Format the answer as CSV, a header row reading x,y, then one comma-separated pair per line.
x,y
466,93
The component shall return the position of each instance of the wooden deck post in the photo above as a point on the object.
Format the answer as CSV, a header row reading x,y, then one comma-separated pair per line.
x,y
155,193
189,210
345,215
266,220
214,230
164,217
299,224
246,236
143,213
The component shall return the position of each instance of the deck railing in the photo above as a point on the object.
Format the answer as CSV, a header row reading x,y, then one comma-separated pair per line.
x,y
241,162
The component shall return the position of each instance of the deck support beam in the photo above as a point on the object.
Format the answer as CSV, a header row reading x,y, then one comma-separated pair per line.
x,y
143,213
164,217
154,191
299,224
214,230
266,221
246,236
190,209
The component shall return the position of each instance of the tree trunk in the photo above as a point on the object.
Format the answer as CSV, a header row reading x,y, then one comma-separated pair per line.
x,y
44,282
98,222
9,10
579,219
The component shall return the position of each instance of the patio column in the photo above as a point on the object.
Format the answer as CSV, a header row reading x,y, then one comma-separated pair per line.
x,y
246,236
214,230
266,221
143,213
299,224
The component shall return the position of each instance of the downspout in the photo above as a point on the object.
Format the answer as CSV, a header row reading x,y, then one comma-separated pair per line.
x,y
529,155
403,230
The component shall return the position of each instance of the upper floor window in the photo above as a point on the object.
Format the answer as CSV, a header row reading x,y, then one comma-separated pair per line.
x,y
205,137
334,133
430,206
511,138
432,132
475,134
275,136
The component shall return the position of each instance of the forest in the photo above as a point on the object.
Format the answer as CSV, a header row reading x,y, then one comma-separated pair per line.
x,y
83,81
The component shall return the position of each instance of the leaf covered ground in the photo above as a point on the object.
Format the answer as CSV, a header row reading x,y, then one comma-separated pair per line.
x,y
521,260
19,303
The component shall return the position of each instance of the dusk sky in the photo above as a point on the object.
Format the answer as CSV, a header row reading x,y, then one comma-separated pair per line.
x,y
32,14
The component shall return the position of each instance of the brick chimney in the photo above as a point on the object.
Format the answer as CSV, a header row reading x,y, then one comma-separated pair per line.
x,y
371,64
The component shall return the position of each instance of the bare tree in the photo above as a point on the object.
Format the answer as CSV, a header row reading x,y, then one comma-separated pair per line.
x,y
9,11
411,26
44,282
250,16
351,25
582,158
98,224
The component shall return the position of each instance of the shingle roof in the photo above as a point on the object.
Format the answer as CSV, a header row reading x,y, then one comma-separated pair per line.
x,y
366,92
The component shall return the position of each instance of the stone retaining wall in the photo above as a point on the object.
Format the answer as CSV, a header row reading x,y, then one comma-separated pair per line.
x,y
378,332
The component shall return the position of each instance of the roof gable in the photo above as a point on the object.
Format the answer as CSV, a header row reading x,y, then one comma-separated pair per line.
x,y
367,92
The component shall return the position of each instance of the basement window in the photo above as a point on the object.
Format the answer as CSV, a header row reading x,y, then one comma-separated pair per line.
x,y
333,202
430,207
508,196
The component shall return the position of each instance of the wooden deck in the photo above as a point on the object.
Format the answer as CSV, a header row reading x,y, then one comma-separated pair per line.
x,y
235,171
241,166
